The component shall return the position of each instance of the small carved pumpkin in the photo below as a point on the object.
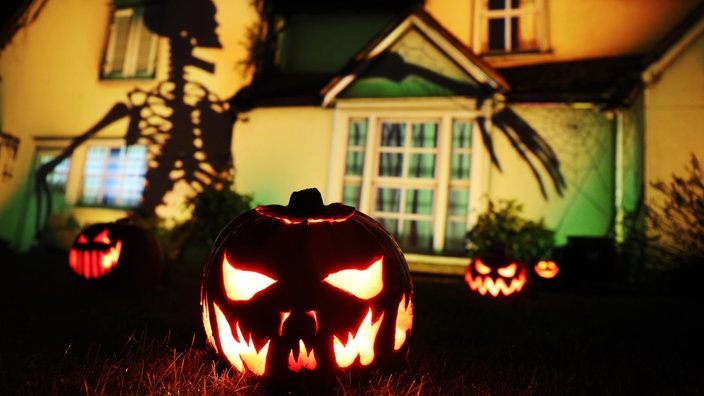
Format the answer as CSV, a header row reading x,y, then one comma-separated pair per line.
x,y
117,252
496,275
306,287
546,269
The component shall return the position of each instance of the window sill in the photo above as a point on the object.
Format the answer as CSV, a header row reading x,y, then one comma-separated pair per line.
x,y
440,265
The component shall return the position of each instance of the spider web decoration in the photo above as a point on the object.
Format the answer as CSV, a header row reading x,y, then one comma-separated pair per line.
x,y
575,134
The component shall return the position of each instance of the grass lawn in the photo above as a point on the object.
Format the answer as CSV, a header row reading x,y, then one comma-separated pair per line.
x,y
59,338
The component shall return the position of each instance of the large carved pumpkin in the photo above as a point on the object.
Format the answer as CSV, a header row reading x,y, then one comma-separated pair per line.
x,y
306,288
119,253
496,275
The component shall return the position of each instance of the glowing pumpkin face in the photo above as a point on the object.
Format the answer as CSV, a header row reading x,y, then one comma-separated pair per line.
x,y
496,275
306,287
118,252
96,257
546,269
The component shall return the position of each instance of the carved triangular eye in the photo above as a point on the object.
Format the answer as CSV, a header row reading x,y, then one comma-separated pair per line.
x,y
241,285
508,271
363,284
102,238
82,239
481,267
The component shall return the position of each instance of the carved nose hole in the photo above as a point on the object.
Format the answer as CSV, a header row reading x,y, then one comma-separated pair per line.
x,y
298,323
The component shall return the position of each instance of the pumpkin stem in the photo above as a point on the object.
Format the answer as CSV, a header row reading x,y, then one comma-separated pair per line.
x,y
305,203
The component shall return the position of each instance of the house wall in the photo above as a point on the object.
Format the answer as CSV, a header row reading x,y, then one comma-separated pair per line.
x,y
674,119
50,88
600,27
583,141
281,150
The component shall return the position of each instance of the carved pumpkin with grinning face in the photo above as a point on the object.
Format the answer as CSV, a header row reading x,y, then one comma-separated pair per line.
x,y
496,275
306,287
117,252
546,269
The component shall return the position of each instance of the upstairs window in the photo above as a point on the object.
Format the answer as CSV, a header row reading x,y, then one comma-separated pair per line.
x,y
131,47
510,26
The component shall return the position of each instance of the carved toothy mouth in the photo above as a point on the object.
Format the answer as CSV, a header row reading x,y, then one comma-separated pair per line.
x,y
484,284
94,263
242,352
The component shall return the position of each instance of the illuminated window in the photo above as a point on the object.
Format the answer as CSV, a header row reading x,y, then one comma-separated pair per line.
x,y
131,48
413,176
114,176
57,179
507,26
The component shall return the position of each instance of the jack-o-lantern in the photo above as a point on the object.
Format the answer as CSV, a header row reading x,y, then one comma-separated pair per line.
x,y
306,288
546,269
117,252
496,275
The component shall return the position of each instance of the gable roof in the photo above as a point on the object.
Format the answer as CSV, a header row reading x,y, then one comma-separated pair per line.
x,y
433,33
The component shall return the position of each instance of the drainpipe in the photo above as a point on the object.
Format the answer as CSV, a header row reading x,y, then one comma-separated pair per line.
x,y
618,226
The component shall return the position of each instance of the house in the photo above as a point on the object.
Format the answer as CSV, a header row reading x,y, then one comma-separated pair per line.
x,y
417,113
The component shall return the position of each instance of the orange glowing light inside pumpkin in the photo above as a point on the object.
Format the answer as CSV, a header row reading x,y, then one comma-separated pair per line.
x,y
243,352
305,359
404,322
241,285
292,221
486,284
363,284
91,263
547,269
359,344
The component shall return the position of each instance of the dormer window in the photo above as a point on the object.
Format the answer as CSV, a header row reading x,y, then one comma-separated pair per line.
x,y
131,47
510,26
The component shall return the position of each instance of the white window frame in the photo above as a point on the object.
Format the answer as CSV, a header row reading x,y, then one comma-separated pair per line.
x,y
445,110
132,51
535,9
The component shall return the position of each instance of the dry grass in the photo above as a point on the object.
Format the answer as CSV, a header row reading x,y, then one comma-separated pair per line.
x,y
62,339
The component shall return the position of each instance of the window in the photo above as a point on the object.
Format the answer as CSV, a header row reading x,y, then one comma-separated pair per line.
x,y
114,176
131,47
412,174
508,26
57,179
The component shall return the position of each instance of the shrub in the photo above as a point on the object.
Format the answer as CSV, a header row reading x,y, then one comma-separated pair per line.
x,y
503,230
211,209
676,226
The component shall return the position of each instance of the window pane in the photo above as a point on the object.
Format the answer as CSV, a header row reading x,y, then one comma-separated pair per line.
x,y
114,176
455,237
56,180
357,136
461,134
422,166
417,236
419,202
390,164
388,200
425,135
458,202
497,34
351,195
355,163
391,225
393,134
